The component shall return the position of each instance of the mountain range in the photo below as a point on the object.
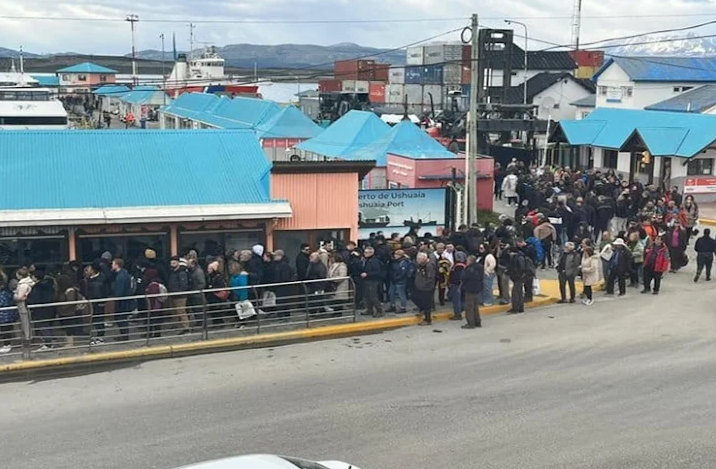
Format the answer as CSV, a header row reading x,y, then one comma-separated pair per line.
x,y
689,45
291,55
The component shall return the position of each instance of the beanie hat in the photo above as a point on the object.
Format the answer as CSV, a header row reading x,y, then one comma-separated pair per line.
x,y
106,255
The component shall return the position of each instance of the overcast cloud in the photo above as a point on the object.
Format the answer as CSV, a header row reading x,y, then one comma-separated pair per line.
x,y
546,19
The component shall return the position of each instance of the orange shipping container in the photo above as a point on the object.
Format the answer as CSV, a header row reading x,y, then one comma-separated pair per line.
x,y
329,86
377,92
381,72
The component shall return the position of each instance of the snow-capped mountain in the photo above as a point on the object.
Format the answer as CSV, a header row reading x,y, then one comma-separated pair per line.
x,y
689,45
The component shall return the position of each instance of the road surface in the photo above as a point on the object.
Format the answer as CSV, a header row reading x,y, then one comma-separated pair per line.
x,y
627,383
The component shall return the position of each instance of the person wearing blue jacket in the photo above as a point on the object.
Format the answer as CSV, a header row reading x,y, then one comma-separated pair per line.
x,y
122,287
400,270
373,277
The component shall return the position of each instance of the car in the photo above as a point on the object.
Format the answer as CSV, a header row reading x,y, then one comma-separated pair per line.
x,y
268,461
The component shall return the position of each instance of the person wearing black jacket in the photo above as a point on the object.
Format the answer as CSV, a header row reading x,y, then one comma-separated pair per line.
x,y
302,262
472,286
178,282
619,267
517,272
282,273
705,247
316,276
530,254
97,290
354,262
43,317
373,277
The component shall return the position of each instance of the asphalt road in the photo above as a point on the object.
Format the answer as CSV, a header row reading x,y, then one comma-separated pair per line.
x,y
627,383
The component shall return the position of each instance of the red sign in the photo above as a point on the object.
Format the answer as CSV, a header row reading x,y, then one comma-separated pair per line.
x,y
695,185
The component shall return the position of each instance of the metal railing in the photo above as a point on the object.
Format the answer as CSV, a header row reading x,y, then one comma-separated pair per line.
x,y
199,315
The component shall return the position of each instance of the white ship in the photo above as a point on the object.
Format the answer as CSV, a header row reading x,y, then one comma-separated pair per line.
x,y
23,108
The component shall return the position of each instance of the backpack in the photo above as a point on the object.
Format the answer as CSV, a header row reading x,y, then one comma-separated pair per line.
x,y
163,292
538,248
7,316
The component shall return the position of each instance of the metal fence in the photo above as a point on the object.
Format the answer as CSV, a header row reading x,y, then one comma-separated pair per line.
x,y
144,320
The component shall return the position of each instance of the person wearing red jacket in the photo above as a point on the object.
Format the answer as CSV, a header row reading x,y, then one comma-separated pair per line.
x,y
656,262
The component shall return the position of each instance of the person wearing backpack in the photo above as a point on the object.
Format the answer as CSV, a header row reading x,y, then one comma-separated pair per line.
x,y
546,234
122,288
72,316
8,317
456,293
43,317
156,292
24,286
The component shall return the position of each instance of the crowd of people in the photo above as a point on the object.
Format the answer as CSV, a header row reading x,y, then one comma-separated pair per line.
x,y
601,227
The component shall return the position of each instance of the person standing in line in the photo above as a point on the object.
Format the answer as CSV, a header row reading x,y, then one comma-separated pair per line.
x,y
400,270
473,284
489,264
22,291
619,267
499,175
97,290
546,234
676,242
691,210
705,247
316,276
517,272
590,273
337,273
656,262
43,317
456,292
284,275
636,274
302,261
122,288
424,287
568,268
509,189
198,283
373,277
178,282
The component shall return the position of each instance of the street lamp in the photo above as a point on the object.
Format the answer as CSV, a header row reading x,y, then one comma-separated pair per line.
x,y
524,78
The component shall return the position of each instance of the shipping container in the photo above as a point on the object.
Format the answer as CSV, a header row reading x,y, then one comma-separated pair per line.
x,y
394,93
466,75
376,93
330,86
349,86
415,94
362,86
397,75
452,74
586,58
381,72
415,55
442,54
351,69
432,75
437,94
414,75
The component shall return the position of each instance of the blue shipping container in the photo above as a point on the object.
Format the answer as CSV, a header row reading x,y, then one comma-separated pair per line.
x,y
433,75
414,75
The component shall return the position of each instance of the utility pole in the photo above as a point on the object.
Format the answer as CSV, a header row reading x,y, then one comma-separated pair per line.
x,y
475,92
524,77
576,23
132,20
164,73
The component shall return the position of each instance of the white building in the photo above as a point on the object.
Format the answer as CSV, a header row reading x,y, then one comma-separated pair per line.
x,y
638,82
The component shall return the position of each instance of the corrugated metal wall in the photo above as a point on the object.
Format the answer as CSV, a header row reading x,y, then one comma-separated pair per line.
x,y
318,201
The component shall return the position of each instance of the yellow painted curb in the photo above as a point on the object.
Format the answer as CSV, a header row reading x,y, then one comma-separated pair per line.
x,y
238,342
706,221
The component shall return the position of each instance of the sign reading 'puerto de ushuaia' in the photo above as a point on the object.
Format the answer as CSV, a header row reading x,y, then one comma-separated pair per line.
x,y
399,210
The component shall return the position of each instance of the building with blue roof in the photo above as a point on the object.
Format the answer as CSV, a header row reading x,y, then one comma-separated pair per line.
x,y
278,128
352,132
673,148
84,77
47,81
698,100
158,189
639,82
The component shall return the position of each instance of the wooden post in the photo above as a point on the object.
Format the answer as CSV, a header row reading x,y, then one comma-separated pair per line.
x,y
173,240
72,241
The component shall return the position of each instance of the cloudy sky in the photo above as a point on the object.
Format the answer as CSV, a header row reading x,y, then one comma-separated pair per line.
x,y
548,20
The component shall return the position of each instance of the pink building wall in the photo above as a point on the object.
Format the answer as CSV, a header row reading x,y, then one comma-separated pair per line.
x,y
407,173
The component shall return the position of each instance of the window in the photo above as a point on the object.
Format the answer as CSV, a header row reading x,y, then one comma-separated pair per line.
x,y
585,114
393,185
15,252
627,91
214,243
103,78
81,77
681,89
127,246
556,105
610,159
602,91
700,167
31,120
65,77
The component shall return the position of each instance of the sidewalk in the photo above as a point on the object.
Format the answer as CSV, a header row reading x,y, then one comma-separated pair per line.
x,y
549,295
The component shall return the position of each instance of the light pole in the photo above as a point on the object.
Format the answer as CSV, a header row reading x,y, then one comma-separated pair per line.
x,y
524,78
164,74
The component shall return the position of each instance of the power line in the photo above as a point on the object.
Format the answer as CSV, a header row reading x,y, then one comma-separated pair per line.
x,y
233,21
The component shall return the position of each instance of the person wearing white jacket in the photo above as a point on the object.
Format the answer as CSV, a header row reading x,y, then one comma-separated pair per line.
x,y
488,261
24,287
509,189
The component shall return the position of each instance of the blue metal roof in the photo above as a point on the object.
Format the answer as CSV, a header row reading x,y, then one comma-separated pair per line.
x,y
149,95
249,111
47,81
587,101
405,139
664,133
87,67
111,90
290,122
696,100
352,132
156,168
669,69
